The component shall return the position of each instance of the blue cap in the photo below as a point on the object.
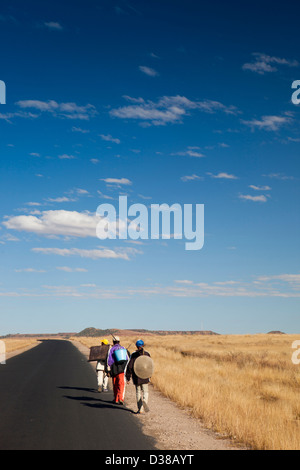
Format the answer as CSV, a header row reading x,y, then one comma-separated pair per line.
x,y
140,343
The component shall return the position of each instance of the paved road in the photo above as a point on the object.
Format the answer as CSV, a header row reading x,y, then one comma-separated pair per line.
x,y
48,401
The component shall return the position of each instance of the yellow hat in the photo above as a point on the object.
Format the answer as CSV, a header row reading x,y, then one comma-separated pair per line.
x,y
104,341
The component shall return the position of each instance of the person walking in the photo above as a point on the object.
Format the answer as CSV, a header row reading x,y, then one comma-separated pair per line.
x,y
116,364
101,367
141,385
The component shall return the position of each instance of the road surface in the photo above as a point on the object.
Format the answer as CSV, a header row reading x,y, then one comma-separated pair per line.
x,y
48,401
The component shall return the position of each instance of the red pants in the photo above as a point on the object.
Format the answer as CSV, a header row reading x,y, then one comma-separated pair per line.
x,y
119,387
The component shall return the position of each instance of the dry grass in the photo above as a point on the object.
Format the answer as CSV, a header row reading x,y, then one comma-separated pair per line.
x,y
12,344
245,387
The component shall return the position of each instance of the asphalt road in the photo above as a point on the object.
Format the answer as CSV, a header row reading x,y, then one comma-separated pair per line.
x,y
48,401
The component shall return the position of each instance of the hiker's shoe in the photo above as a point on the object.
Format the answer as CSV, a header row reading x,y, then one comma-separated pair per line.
x,y
146,407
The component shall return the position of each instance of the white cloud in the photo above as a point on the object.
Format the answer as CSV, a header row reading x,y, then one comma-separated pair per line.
x,y
184,281
293,279
279,176
247,197
20,114
148,71
109,138
62,110
33,204
191,178
82,192
264,63
56,222
275,286
8,237
29,270
117,181
81,131
190,152
167,110
104,196
260,188
53,26
95,254
226,176
268,123
66,157
61,199
66,269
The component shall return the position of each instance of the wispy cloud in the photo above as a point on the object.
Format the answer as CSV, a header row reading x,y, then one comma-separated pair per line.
x,y
53,26
95,254
67,269
191,178
190,152
226,176
9,18
117,181
269,123
279,176
66,157
168,109
260,188
293,279
148,71
276,286
247,197
109,138
264,63
29,270
61,199
62,110
8,117
81,131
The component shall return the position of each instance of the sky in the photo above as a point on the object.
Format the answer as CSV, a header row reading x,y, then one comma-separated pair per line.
x,y
170,101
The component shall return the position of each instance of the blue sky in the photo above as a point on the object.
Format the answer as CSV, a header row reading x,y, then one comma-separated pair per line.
x,y
165,102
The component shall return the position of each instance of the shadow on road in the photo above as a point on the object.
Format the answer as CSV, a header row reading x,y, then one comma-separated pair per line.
x,y
94,402
91,390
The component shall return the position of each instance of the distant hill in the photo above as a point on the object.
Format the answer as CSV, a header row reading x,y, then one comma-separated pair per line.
x,y
276,333
95,332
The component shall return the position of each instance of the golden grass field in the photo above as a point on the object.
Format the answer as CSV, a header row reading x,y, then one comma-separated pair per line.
x,y
12,344
244,387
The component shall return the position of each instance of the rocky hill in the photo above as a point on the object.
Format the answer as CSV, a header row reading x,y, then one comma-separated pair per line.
x,y
95,332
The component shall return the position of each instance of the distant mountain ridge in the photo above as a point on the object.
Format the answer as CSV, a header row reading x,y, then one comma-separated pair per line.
x,y
96,332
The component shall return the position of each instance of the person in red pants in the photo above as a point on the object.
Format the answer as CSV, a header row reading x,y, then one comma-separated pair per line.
x,y
117,362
